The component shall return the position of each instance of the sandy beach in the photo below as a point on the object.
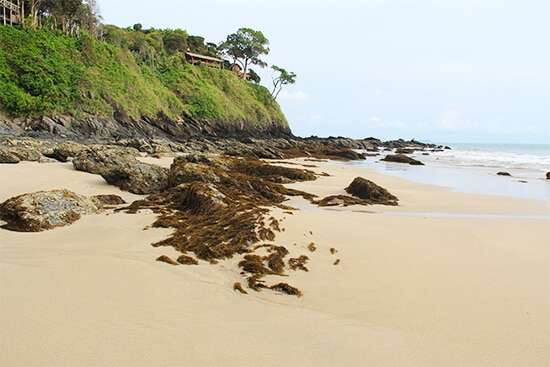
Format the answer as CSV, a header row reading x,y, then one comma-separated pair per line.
x,y
443,279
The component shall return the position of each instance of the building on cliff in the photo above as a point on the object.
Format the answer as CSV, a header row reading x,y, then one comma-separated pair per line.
x,y
194,59
9,12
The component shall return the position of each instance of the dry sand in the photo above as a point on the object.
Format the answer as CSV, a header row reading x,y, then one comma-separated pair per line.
x,y
410,289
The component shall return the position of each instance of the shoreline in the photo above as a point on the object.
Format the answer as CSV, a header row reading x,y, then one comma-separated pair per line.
x,y
420,290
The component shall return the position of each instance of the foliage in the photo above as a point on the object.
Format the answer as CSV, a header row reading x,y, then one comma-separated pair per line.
x,y
44,72
284,78
245,47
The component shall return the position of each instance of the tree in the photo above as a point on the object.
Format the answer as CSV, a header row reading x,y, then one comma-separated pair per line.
x,y
285,77
253,77
245,47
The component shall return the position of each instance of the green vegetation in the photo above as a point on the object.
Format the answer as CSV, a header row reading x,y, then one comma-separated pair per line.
x,y
139,72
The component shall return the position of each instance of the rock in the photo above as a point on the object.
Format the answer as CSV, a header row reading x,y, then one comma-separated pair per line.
x,y
43,210
404,151
7,156
109,199
47,160
199,198
68,149
368,190
401,158
27,153
189,172
503,174
138,143
138,178
548,175
97,159
119,167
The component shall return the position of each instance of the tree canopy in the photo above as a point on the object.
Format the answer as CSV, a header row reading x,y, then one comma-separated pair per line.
x,y
284,77
245,47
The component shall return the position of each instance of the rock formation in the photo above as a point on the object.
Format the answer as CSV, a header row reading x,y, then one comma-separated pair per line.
x,y
43,210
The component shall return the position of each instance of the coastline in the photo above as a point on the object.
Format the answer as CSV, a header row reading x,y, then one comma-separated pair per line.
x,y
408,290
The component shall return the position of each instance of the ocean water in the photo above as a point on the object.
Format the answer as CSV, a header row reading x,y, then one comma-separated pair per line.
x,y
473,168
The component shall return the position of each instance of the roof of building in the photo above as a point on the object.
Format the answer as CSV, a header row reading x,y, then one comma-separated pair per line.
x,y
204,57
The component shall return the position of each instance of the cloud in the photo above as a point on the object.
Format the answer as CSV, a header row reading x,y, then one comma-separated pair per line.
x,y
397,124
298,96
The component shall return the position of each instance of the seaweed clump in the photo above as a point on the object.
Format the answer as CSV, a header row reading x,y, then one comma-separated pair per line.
x,y
218,208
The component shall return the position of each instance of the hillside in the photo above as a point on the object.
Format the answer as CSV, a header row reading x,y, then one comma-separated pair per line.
x,y
45,73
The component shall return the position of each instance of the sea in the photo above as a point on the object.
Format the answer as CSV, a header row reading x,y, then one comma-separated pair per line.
x,y
473,168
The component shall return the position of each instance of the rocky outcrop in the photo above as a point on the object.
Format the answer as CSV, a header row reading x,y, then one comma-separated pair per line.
x,y
121,126
120,167
368,190
66,150
7,156
401,158
43,210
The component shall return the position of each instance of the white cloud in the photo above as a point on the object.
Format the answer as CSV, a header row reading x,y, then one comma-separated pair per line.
x,y
298,96
397,124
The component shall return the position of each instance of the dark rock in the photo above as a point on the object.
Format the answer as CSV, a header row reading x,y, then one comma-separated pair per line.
x,y
119,167
404,151
7,156
503,174
548,175
109,199
44,210
368,190
401,158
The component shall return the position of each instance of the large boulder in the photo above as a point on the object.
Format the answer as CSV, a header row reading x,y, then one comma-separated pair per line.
x,y
43,210
120,167
368,190
402,158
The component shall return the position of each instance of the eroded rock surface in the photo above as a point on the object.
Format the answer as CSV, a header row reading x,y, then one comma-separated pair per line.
x,y
43,210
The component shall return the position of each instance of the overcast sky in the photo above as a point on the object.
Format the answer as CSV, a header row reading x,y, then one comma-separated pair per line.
x,y
440,71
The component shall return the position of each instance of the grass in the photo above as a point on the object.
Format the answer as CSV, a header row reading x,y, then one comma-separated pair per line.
x,y
44,72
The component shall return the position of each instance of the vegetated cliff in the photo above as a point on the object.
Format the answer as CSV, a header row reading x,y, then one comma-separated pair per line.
x,y
81,87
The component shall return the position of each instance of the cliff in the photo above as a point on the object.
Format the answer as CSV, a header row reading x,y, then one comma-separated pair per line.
x,y
81,87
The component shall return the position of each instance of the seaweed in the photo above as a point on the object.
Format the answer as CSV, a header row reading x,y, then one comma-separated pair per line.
x,y
167,259
286,288
220,210
298,263
238,287
187,260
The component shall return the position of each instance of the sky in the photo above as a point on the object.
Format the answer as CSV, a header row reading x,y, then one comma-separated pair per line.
x,y
431,70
